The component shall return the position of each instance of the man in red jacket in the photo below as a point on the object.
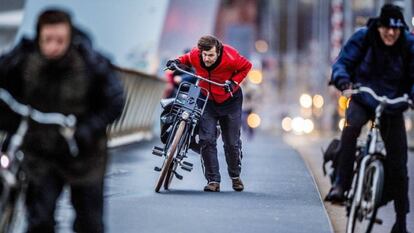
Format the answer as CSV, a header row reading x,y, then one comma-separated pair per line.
x,y
220,63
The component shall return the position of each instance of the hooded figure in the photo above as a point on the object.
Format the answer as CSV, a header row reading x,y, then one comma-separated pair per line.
x,y
59,71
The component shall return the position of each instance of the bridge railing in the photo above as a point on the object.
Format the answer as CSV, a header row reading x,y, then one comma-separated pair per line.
x,y
143,93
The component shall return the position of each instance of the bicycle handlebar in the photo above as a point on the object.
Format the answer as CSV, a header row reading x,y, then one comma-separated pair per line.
x,y
197,76
382,99
67,123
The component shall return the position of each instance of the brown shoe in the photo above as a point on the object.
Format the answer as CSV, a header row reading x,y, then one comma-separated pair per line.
x,y
237,184
212,187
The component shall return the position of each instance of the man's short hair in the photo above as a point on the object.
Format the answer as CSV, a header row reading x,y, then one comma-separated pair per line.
x,y
52,16
205,43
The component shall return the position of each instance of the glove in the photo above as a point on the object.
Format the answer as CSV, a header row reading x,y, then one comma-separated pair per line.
x,y
229,85
170,64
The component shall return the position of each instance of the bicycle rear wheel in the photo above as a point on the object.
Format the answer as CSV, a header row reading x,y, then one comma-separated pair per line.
x,y
170,155
363,214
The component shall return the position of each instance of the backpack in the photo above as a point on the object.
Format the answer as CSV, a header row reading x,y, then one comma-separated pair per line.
x,y
331,154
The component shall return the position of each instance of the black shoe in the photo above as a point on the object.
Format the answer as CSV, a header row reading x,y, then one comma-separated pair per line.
x,y
212,187
336,195
237,184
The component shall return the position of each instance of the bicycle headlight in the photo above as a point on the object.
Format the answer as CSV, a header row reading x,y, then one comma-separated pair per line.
x,y
185,115
4,161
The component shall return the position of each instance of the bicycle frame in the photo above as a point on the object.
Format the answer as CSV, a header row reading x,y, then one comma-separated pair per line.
x,y
188,107
368,173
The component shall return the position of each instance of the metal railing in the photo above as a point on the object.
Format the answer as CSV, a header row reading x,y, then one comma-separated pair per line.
x,y
143,93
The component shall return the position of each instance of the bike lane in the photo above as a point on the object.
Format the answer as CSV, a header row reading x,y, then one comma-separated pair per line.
x,y
279,196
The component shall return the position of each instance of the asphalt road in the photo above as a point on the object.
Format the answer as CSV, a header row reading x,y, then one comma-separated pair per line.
x,y
279,196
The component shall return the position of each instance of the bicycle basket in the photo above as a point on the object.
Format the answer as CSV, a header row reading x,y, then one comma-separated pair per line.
x,y
190,98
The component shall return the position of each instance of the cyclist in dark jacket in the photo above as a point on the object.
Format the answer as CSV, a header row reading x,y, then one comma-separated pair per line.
x,y
380,57
59,71
223,64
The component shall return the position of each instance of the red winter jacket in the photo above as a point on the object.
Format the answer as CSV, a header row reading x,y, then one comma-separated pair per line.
x,y
230,65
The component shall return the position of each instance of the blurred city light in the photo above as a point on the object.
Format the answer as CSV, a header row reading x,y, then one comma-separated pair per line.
x,y
253,120
412,21
408,123
306,112
261,46
341,124
255,76
308,126
305,100
318,101
297,125
287,124
343,102
4,161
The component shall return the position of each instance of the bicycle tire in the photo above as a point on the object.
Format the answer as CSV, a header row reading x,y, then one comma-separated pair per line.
x,y
362,218
170,155
169,177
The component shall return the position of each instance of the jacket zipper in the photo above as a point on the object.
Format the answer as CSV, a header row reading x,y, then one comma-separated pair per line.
x,y
209,87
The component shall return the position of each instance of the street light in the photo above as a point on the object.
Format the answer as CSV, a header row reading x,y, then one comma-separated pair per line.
x,y
287,124
261,46
318,101
253,120
255,76
305,100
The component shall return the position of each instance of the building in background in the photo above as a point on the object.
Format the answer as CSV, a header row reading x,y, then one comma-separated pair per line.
x,y
185,22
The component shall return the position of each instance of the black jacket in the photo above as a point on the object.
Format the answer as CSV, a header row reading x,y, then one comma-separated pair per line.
x,y
95,97
366,60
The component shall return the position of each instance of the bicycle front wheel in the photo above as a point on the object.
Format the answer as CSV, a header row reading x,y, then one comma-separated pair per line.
x,y
363,214
168,162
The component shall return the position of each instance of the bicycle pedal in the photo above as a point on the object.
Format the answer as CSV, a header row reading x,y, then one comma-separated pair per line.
x,y
186,168
157,169
178,176
187,164
378,221
158,151
181,157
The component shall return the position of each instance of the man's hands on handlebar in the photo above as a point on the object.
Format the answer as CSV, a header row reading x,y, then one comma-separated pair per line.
x,y
171,64
229,86
357,88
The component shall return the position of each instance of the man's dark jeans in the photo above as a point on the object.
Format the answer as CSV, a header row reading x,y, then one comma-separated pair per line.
x,y
395,140
229,118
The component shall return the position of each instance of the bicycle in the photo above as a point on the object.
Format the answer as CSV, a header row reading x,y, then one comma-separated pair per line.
x,y
364,196
13,178
186,110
